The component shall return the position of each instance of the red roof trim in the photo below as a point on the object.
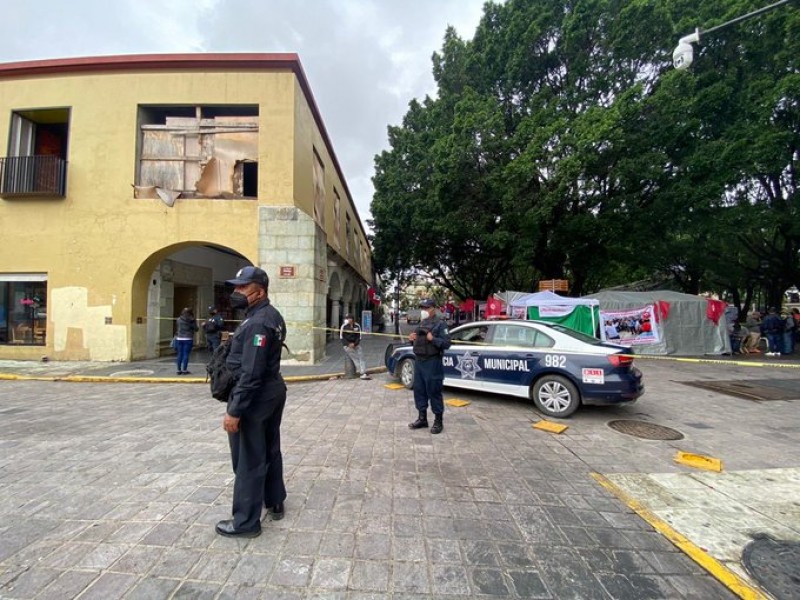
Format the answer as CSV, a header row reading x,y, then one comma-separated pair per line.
x,y
131,62
153,62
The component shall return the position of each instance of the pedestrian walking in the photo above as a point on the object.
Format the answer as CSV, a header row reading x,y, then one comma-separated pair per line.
x,y
350,334
255,408
430,340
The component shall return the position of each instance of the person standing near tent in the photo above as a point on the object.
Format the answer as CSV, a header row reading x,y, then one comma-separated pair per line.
x,y
789,326
772,328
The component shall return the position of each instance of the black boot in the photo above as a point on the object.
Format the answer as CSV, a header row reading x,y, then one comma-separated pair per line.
x,y
422,420
437,424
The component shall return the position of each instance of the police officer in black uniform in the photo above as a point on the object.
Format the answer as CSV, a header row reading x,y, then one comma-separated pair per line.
x,y
255,407
430,340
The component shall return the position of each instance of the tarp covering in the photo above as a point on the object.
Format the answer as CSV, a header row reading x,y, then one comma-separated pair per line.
x,y
580,314
676,323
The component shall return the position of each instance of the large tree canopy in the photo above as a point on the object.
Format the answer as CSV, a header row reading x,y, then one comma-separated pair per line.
x,y
562,144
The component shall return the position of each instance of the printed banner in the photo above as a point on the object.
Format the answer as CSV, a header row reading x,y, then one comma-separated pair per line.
x,y
634,327
555,311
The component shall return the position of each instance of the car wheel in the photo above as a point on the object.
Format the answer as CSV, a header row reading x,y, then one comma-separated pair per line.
x,y
406,373
555,396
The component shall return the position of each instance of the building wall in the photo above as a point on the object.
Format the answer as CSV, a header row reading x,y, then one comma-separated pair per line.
x,y
100,246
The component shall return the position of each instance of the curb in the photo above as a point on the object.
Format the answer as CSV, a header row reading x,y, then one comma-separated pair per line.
x,y
716,569
109,379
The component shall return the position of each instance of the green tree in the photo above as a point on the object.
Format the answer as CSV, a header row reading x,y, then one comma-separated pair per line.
x,y
561,143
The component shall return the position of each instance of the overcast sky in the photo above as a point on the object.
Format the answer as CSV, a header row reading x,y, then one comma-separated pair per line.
x,y
365,59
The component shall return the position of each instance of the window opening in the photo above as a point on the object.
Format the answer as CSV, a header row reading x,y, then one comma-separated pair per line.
x,y
37,153
23,311
197,152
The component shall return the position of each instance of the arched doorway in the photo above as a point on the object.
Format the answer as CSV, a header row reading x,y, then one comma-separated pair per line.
x,y
186,275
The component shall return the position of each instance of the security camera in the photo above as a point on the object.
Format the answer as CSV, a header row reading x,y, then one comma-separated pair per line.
x,y
683,55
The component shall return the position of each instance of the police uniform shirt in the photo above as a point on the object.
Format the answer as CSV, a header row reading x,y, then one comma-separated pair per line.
x,y
255,357
424,349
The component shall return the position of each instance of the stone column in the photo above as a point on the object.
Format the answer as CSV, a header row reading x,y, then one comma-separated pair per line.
x,y
289,238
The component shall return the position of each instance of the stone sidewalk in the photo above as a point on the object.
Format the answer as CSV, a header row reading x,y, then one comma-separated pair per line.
x,y
111,490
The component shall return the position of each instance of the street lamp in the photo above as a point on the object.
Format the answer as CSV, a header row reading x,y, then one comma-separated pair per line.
x,y
683,55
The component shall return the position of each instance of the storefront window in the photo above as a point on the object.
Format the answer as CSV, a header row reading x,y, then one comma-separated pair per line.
x,y
23,310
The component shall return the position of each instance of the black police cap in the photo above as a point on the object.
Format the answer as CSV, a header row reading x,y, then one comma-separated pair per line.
x,y
250,275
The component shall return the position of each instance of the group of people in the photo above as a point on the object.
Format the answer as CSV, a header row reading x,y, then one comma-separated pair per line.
x,y
781,331
627,328
185,329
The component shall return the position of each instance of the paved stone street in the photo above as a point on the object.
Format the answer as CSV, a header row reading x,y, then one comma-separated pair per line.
x,y
112,490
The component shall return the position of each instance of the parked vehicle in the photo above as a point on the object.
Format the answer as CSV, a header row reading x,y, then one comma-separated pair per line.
x,y
556,367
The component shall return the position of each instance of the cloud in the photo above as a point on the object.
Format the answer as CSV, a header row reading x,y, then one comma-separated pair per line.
x,y
365,59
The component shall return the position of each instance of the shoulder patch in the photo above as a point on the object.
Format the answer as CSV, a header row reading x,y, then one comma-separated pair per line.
x,y
260,340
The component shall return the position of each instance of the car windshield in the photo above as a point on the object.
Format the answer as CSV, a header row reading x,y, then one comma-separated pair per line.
x,y
471,334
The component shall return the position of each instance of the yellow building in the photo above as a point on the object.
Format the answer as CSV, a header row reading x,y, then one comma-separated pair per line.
x,y
133,186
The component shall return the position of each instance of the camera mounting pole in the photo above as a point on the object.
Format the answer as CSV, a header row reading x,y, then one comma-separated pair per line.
x,y
683,55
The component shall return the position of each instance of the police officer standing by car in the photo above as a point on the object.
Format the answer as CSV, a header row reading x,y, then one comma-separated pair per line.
x,y
255,408
429,340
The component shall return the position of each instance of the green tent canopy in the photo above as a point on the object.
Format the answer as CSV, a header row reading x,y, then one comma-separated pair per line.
x,y
579,314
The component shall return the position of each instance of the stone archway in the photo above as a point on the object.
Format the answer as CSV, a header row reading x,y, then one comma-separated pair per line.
x,y
194,267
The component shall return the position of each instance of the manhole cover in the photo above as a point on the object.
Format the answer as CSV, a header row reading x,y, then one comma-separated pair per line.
x,y
775,564
132,373
645,430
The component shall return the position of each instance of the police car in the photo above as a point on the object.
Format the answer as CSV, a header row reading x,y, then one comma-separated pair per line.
x,y
556,367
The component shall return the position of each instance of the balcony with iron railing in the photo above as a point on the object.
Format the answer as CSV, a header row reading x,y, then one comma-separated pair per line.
x,y
40,175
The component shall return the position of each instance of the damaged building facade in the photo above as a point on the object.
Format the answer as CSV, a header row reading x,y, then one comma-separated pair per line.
x,y
133,186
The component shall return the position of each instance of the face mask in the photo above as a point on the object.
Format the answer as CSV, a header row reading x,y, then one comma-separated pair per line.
x,y
239,300
424,314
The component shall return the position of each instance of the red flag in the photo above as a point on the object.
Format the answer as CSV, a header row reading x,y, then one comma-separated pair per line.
x,y
467,305
662,310
493,306
715,309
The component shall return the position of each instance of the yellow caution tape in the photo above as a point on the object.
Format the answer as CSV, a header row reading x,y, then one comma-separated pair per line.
x,y
714,361
456,402
550,426
698,461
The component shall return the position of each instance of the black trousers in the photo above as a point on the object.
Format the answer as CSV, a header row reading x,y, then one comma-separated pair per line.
x,y
428,383
257,461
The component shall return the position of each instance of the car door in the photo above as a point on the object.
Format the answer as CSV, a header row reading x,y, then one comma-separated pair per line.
x,y
462,360
513,357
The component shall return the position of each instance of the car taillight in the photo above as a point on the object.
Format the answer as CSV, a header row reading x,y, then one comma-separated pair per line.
x,y
620,360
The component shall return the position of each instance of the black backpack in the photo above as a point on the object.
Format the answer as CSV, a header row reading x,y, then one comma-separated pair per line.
x,y
220,378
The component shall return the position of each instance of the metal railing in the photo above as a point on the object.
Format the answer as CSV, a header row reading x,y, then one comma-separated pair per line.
x,y
33,176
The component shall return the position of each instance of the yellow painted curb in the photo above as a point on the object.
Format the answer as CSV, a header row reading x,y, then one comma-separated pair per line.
x,y
698,461
456,402
550,426
728,578
394,386
109,379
